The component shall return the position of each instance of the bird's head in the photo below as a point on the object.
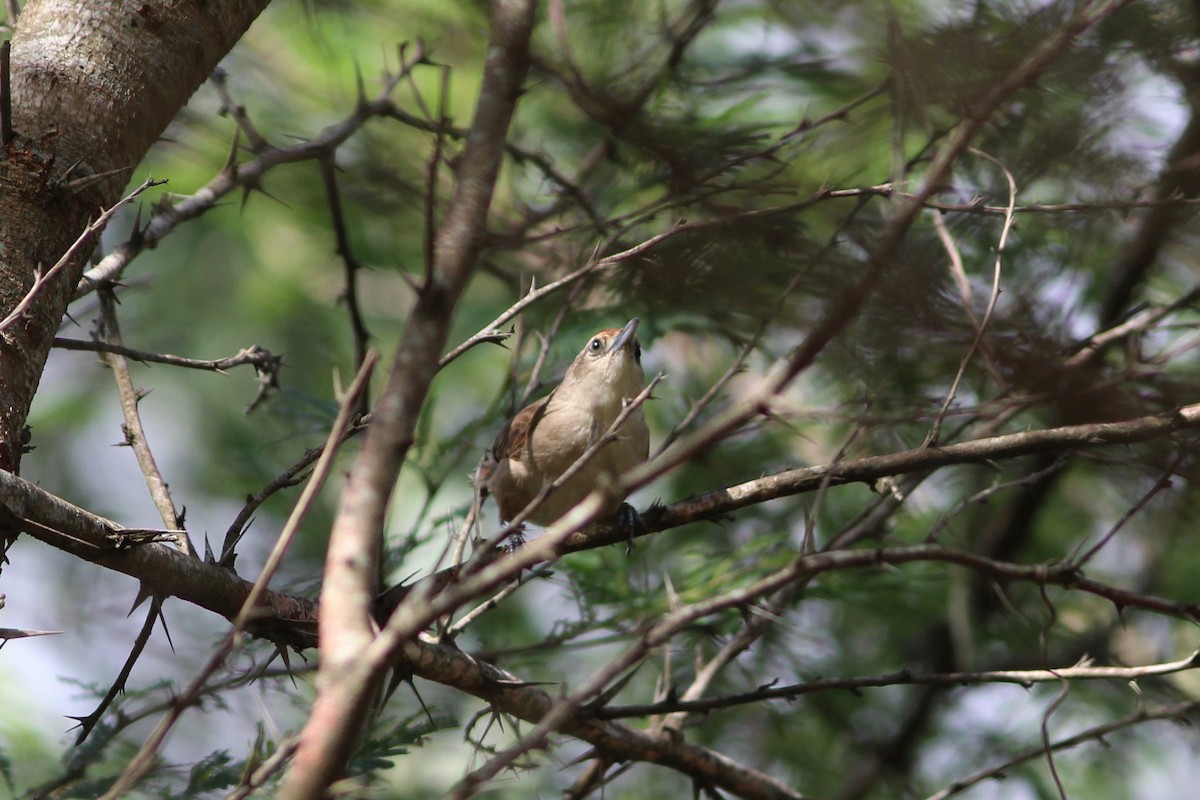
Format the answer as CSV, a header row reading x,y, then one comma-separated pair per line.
x,y
610,363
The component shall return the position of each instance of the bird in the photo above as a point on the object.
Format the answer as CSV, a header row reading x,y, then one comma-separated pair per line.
x,y
548,436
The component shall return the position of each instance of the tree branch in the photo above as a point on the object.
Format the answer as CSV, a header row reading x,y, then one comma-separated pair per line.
x,y
869,469
347,683
135,433
238,176
166,571
904,677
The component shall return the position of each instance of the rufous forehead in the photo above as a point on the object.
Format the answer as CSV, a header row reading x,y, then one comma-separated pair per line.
x,y
609,332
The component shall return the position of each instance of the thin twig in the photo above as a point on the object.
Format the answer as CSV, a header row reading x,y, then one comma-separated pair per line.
x,y
734,368
1163,483
237,111
83,758
286,479
253,355
547,341
935,430
904,677
1047,747
284,750
352,267
433,169
462,622
89,722
1091,349
75,250
135,433
320,473
984,494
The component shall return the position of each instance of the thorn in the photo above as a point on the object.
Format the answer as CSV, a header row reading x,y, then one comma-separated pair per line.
x,y
163,620
135,236
62,180
231,163
256,186
287,661
144,593
360,88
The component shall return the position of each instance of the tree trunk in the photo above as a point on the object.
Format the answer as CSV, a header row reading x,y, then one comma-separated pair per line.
x,y
93,86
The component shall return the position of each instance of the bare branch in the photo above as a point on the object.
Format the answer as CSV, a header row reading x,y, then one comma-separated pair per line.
x,y
164,570
135,433
88,723
1021,677
358,326
870,469
235,110
936,429
255,356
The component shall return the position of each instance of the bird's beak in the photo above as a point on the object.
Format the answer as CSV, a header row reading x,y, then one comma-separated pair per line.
x,y
625,336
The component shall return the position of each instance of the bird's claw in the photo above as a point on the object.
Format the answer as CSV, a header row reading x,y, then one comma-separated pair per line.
x,y
629,520
514,540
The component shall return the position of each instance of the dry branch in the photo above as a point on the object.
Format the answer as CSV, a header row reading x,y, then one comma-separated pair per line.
x,y
347,682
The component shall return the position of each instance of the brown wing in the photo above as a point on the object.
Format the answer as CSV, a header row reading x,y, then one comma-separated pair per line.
x,y
514,437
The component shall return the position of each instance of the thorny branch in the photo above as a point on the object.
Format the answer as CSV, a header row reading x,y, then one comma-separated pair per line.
x,y
266,365
358,327
255,356
76,249
1020,677
135,433
237,176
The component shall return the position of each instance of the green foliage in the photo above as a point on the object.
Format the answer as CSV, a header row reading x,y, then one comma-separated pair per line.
x,y
388,740
215,771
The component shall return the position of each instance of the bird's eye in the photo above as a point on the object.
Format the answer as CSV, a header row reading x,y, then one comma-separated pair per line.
x,y
595,345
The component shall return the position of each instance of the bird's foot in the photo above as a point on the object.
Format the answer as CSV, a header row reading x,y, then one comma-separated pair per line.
x,y
630,521
514,540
